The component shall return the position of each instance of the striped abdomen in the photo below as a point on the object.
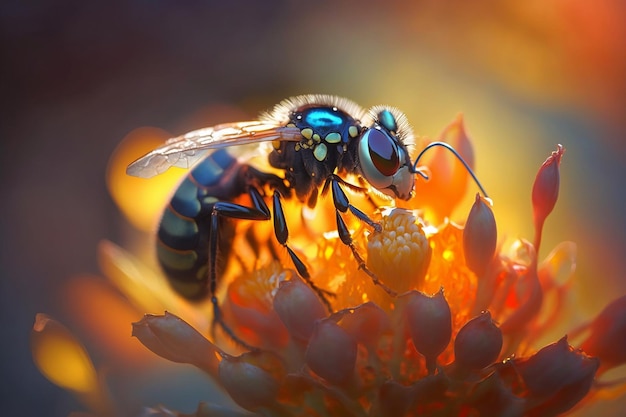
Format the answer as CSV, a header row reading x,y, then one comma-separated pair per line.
x,y
183,236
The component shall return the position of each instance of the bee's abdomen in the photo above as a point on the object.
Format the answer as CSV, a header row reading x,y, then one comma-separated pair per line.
x,y
183,235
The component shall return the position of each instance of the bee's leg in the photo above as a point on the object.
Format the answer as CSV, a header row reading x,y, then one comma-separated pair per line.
x,y
259,211
340,200
282,234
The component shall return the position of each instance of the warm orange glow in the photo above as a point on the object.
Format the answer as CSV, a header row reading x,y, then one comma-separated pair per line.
x,y
105,316
141,200
147,288
249,303
61,357
129,275
448,178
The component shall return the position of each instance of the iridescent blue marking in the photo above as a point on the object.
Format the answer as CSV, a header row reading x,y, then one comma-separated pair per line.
x,y
185,200
223,158
210,170
325,120
207,172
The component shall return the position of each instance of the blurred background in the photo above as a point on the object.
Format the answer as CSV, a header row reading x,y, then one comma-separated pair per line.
x,y
77,77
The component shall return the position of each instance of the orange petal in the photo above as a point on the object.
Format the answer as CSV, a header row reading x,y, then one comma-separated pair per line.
x,y
607,340
63,360
249,307
532,298
104,317
448,177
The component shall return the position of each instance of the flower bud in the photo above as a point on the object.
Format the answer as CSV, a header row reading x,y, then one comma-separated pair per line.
x,y
557,377
492,397
478,343
479,236
173,339
366,323
607,340
430,325
331,352
250,385
546,190
298,307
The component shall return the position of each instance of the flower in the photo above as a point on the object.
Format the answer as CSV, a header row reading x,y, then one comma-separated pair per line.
x,y
448,327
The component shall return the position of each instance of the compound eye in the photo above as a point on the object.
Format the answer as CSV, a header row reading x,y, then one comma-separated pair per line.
x,y
383,152
379,157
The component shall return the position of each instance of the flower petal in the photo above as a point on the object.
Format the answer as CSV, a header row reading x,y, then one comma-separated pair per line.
x,y
448,178
63,360
532,298
559,266
607,340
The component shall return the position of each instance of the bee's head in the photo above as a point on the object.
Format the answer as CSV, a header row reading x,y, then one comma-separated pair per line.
x,y
383,157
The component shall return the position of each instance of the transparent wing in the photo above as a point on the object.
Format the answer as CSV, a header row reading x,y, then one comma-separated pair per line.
x,y
184,151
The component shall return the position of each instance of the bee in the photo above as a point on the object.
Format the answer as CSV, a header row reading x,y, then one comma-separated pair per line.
x,y
317,143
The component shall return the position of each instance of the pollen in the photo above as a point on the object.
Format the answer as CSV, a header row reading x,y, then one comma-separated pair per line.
x,y
400,253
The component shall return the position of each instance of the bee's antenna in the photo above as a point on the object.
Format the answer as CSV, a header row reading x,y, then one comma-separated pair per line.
x,y
455,153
